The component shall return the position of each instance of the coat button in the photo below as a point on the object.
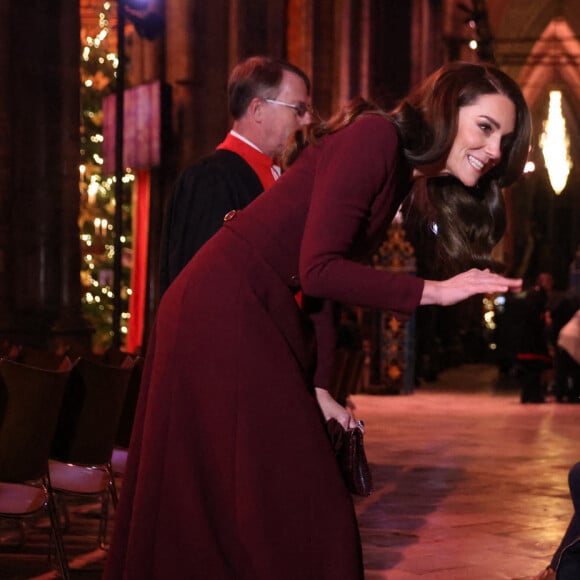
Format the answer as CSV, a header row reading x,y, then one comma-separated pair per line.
x,y
230,215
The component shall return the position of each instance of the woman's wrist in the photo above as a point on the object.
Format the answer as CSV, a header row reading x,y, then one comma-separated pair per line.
x,y
431,293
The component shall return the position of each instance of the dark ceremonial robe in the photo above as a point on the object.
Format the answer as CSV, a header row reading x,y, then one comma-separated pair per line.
x,y
230,473
230,178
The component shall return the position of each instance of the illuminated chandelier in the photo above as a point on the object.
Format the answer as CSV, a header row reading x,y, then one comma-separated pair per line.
x,y
555,144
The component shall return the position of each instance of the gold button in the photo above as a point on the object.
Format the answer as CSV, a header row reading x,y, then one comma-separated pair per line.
x,y
230,215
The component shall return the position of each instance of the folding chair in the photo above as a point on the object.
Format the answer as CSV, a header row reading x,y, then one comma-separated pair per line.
x,y
80,460
30,401
123,437
36,357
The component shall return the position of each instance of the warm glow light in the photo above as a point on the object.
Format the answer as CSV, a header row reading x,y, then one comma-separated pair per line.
x,y
92,190
555,144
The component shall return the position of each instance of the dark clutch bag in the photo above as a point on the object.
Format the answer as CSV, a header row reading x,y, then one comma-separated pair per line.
x,y
349,451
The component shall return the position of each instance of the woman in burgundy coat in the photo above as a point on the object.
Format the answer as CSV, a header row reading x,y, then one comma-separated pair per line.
x,y
230,472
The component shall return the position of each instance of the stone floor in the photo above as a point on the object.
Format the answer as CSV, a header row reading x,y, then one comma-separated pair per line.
x,y
469,485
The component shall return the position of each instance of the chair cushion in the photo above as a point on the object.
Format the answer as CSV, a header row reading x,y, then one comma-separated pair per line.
x,y
119,460
69,478
18,499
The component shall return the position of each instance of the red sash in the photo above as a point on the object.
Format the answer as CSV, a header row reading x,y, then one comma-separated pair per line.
x,y
258,161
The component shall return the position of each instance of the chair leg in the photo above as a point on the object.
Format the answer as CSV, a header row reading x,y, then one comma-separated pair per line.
x,y
112,485
62,511
104,520
21,533
112,490
59,543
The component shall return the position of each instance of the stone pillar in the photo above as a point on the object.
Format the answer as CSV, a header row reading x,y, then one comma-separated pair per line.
x,y
348,15
36,207
365,49
197,68
300,41
391,51
44,170
5,170
427,48
257,27
330,40
70,327
326,72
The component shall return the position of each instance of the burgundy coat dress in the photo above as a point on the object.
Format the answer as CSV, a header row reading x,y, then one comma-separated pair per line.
x,y
230,474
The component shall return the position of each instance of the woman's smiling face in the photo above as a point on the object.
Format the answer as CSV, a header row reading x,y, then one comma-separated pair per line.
x,y
481,129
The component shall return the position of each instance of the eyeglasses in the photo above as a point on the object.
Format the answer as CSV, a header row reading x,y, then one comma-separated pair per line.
x,y
300,109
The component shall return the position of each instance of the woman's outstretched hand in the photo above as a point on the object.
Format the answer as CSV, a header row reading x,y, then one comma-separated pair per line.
x,y
467,284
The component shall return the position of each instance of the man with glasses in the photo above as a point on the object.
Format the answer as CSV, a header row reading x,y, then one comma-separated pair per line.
x,y
269,99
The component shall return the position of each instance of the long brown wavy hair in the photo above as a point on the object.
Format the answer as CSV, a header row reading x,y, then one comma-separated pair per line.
x,y
453,227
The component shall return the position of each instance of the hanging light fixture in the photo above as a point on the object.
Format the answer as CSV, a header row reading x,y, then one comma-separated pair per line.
x,y
555,144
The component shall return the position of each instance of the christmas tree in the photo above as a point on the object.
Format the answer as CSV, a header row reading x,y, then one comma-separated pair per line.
x,y
99,64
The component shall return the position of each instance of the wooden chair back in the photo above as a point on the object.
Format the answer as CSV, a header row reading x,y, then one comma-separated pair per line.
x,y
91,412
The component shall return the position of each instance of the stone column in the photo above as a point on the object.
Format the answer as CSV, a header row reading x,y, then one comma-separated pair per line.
x,y
427,48
348,48
35,216
5,172
391,51
45,156
70,327
257,27
300,50
313,43
197,68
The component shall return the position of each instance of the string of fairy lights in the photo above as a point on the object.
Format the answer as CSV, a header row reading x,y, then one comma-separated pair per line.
x,y
99,63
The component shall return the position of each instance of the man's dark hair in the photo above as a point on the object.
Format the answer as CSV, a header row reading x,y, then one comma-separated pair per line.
x,y
258,76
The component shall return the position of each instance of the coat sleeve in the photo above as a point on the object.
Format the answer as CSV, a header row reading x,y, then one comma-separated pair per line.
x,y
325,328
354,182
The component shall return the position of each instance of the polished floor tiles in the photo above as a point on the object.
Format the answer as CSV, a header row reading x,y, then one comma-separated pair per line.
x,y
469,485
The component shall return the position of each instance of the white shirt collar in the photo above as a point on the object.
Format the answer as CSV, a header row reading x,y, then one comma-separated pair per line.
x,y
247,141
275,169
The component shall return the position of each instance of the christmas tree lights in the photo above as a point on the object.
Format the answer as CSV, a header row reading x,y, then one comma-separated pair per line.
x,y
99,63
